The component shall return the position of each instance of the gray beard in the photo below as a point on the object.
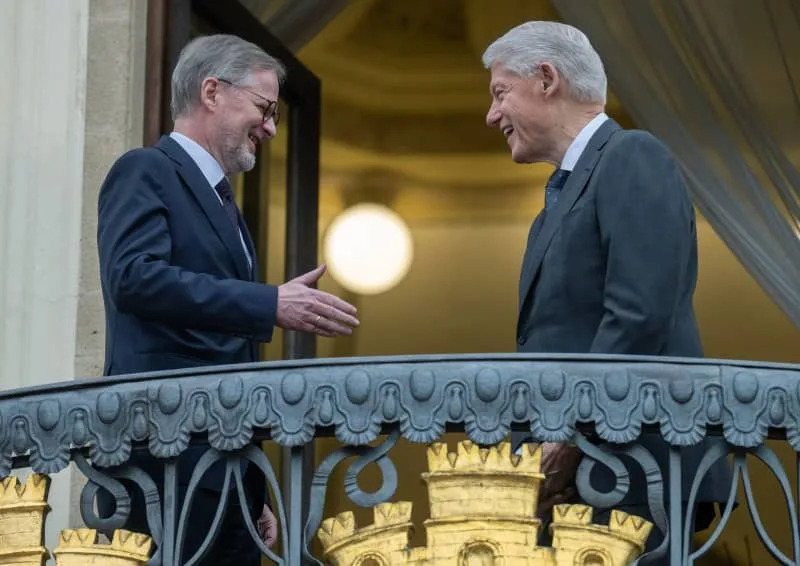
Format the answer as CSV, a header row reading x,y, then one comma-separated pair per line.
x,y
237,156
245,160
239,160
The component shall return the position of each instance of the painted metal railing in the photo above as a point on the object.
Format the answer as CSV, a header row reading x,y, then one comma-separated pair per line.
x,y
609,400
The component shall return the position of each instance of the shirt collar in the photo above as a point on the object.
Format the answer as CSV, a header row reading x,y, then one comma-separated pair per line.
x,y
577,146
209,166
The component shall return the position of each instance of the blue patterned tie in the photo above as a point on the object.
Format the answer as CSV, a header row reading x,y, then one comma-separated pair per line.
x,y
554,185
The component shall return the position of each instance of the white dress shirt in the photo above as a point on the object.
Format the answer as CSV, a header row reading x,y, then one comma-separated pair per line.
x,y
577,146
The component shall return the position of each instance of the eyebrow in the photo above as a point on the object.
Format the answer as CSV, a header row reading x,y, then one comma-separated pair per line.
x,y
248,89
264,98
261,98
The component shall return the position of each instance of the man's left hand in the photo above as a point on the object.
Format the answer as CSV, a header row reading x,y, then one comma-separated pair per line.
x,y
559,463
268,526
546,505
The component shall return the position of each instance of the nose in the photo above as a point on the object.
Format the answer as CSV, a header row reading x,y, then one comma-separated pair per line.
x,y
493,116
270,128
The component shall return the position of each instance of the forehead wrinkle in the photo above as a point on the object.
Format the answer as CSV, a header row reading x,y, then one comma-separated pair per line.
x,y
263,80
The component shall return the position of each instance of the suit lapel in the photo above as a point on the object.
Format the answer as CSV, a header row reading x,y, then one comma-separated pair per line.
x,y
204,194
525,274
576,183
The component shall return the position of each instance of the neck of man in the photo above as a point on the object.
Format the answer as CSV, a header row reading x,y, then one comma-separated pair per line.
x,y
573,119
195,131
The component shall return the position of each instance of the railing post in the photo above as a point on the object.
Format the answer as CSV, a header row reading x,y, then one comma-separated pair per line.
x,y
676,510
168,546
301,255
295,498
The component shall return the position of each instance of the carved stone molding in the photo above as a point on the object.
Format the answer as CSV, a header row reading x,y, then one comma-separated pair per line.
x,y
356,397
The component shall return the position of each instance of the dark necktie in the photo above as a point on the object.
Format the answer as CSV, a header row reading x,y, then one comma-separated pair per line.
x,y
225,193
553,188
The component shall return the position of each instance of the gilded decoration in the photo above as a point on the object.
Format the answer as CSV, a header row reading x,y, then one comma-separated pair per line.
x,y
22,511
483,505
23,508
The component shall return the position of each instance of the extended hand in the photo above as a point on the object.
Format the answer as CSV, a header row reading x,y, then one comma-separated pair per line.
x,y
301,307
559,462
545,505
268,527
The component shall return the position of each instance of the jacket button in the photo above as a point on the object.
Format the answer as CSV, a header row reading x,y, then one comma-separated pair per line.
x,y
521,340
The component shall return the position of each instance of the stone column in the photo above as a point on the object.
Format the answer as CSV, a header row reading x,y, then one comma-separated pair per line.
x,y
72,102
115,73
43,63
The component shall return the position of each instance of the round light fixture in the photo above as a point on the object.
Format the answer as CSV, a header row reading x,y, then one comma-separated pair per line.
x,y
368,249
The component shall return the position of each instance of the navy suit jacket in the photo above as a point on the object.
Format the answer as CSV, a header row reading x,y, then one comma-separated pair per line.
x,y
177,287
612,268
176,283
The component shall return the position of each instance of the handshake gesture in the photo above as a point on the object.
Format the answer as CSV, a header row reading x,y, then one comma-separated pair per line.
x,y
301,307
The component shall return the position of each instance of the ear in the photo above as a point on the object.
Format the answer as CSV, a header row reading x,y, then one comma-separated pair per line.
x,y
549,77
209,92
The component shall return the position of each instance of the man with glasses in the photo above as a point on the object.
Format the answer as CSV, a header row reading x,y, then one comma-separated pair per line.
x,y
179,272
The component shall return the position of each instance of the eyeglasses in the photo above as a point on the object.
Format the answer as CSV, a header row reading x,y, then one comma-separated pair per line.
x,y
270,110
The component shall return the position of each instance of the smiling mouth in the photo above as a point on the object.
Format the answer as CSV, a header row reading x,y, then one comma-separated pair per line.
x,y
255,140
507,131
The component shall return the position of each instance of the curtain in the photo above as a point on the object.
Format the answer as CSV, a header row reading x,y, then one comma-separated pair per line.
x,y
295,22
719,82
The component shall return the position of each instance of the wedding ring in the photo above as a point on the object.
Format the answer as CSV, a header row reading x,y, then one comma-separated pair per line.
x,y
316,320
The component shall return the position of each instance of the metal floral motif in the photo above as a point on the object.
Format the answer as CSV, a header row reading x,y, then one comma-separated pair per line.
x,y
485,395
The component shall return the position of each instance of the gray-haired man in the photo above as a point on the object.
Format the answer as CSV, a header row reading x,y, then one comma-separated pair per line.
x,y
611,261
178,266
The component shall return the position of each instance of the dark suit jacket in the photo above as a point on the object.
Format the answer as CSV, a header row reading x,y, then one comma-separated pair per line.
x,y
177,286
612,267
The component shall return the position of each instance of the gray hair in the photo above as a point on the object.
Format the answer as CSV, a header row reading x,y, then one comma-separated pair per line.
x,y
522,49
221,56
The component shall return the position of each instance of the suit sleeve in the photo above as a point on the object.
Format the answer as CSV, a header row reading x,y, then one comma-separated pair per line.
x,y
135,247
647,232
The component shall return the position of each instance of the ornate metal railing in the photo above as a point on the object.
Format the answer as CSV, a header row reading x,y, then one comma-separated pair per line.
x,y
601,403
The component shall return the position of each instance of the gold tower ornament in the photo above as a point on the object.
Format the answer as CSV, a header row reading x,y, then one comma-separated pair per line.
x,y
22,511
79,547
483,512
23,508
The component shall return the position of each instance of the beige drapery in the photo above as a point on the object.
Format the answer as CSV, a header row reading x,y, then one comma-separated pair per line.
x,y
295,22
719,82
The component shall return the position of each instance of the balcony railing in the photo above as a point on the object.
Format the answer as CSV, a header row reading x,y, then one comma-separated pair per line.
x,y
600,403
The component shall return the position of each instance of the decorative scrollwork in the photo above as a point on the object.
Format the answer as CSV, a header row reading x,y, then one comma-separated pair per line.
x,y
484,394
600,455
251,528
100,480
768,457
365,456
208,459
717,452
655,500
233,473
108,480
259,459
292,402
606,455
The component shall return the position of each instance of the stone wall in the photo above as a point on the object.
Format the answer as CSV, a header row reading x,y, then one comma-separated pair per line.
x,y
72,102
